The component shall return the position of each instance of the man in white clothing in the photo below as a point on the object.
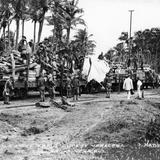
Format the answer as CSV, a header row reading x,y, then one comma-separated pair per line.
x,y
139,85
128,85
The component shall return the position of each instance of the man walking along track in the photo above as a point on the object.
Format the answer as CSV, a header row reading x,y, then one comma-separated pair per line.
x,y
128,86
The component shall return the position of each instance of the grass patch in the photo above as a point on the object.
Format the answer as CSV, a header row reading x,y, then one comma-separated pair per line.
x,y
135,130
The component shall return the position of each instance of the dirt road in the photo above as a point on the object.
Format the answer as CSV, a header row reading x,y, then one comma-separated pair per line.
x,y
95,128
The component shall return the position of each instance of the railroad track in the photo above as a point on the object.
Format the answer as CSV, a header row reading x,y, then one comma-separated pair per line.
x,y
17,106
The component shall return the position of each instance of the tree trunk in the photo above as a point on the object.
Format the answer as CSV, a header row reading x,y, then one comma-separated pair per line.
x,y
9,45
17,33
4,35
149,58
53,36
0,30
13,64
40,29
53,40
68,35
156,62
34,37
22,27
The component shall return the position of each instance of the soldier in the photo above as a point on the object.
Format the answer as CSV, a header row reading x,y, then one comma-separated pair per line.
x,y
41,85
7,89
75,87
22,47
30,48
142,89
108,85
69,87
135,60
41,56
141,62
51,87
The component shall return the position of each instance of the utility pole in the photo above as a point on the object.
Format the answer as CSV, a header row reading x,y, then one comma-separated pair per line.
x,y
130,30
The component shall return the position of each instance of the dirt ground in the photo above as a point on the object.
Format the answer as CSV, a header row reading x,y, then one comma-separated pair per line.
x,y
96,128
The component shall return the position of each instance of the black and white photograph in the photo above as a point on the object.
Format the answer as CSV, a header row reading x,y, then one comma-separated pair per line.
x,y
79,80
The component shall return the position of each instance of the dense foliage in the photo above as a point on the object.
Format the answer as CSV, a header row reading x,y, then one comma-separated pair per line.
x,y
145,46
65,15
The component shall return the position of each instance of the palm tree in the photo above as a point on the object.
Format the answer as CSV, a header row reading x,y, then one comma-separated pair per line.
x,y
84,43
81,46
121,55
42,11
155,42
19,7
110,55
69,13
10,35
147,44
5,17
123,36
25,16
34,15
56,22
37,11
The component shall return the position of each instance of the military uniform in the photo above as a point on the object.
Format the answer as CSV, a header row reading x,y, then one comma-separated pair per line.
x,y
22,47
108,85
41,85
41,56
75,88
7,90
51,87
69,87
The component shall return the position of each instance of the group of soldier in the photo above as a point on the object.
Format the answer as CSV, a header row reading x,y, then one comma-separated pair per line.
x,y
25,48
127,85
46,60
46,81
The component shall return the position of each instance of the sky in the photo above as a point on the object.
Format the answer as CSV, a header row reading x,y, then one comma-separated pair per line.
x,y
106,19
